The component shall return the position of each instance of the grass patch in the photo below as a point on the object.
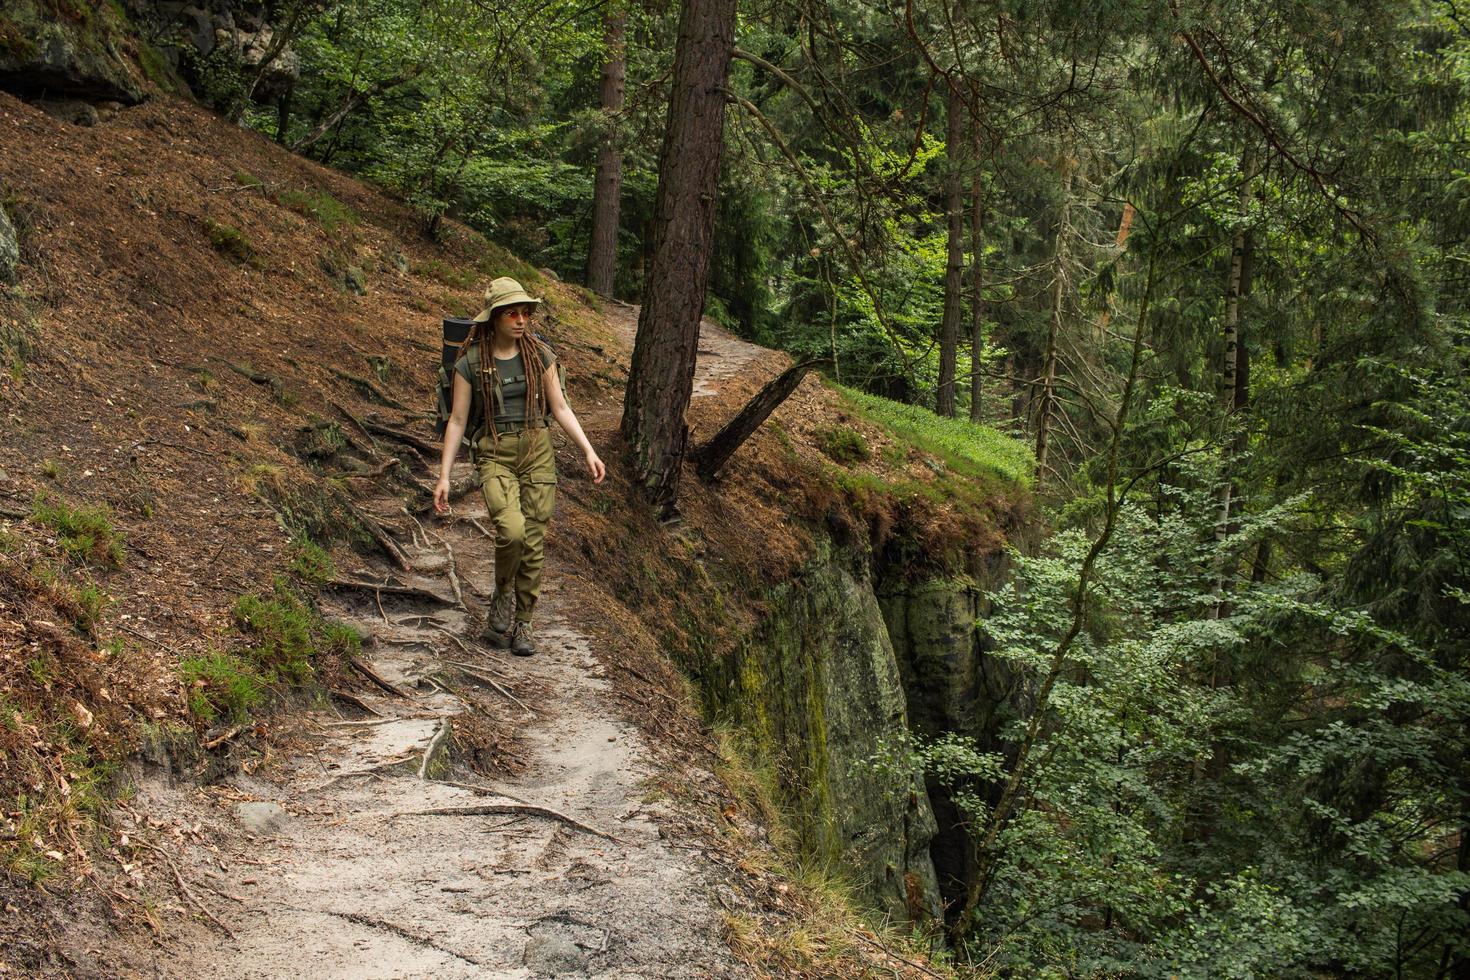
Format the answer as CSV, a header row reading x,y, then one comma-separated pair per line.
x,y
843,445
818,937
222,687
85,534
963,447
288,636
321,207
450,275
310,562
246,179
231,242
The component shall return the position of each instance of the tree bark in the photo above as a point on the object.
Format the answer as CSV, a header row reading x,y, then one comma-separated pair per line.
x,y
713,455
954,268
1058,298
977,281
662,375
1232,395
602,250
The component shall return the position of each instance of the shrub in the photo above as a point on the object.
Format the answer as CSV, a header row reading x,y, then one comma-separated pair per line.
x,y
289,634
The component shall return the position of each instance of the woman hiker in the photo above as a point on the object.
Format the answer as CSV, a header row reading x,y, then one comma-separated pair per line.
x,y
506,394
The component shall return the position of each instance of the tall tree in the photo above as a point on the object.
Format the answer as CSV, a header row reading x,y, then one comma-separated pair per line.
x,y
954,266
977,276
662,375
602,252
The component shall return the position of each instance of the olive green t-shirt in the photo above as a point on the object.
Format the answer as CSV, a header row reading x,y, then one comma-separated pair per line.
x,y
510,408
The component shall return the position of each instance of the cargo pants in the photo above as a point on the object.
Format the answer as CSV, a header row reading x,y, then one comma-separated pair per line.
x,y
518,481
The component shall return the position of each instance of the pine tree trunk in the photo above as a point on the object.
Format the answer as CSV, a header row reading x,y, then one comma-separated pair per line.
x,y
662,375
954,269
1053,334
602,251
977,285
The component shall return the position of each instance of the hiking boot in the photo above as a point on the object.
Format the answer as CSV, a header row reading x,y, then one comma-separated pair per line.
x,y
502,607
521,643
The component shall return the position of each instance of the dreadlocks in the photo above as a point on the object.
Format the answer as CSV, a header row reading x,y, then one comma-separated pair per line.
x,y
532,363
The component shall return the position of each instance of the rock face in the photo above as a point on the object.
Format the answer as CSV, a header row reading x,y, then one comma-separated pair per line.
x,y
45,52
100,52
953,685
816,690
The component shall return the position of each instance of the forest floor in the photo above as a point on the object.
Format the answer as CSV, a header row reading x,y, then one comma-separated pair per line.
x,y
578,864
218,357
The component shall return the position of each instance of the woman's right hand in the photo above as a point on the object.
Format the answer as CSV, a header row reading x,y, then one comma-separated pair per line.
x,y
441,494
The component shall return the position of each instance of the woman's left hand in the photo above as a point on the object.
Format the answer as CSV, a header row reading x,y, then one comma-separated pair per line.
x,y
594,466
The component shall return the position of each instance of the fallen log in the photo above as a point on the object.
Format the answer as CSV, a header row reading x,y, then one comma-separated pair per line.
x,y
714,454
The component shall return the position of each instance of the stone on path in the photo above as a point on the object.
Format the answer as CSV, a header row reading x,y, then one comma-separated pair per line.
x,y
261,818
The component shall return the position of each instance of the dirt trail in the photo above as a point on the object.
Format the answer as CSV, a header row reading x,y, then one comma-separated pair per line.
x,y
355,880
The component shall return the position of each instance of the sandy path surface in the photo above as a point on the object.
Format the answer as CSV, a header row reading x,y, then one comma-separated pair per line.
x,y
354,879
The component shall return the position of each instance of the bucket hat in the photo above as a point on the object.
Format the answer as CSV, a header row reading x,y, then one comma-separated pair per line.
x,y
504,291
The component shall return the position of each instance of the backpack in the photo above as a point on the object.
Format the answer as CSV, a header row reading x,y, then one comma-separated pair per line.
x,y
456,331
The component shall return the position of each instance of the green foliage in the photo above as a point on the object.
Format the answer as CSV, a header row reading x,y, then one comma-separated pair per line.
x,y
222,687
968,449
318,205
310,562
288,635
231,242
843,444
86,534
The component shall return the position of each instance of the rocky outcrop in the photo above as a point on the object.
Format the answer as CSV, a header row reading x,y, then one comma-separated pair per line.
x,y
70,50
952,684
816,692
67,50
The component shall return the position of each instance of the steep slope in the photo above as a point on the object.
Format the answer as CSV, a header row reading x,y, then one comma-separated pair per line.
x,y
226,348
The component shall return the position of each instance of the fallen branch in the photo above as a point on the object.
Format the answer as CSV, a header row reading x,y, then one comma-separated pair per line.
x,y
450,569
493,684
372,389
376,471
355,701
376,678
407,438
481,790
184,888
710,457
384,539
389,588
219,740
402,933
902,959
355,421
529,809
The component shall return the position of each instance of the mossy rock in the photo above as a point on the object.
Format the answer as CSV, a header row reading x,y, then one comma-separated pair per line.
x,y
66,48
